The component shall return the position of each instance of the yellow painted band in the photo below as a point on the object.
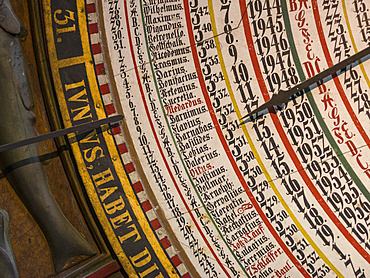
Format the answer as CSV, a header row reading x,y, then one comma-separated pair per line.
x,y
86,58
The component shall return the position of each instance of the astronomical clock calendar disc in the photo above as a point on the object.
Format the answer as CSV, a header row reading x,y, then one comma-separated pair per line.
x,y
184,187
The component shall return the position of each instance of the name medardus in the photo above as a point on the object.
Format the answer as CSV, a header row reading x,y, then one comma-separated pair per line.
x,y
190,103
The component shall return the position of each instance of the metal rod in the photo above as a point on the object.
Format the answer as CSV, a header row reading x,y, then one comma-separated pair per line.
x,y
61,132
283,95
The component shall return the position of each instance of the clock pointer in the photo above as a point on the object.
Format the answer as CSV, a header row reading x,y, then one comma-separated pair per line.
x,y
74,129
283,95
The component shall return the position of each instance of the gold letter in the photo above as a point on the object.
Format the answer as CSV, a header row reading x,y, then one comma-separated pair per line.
x,y
141,259
92,156
88,138
112,207
108,192
82,115
103,177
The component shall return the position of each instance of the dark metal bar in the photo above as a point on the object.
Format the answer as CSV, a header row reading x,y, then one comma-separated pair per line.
x,y
61,132
283,95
